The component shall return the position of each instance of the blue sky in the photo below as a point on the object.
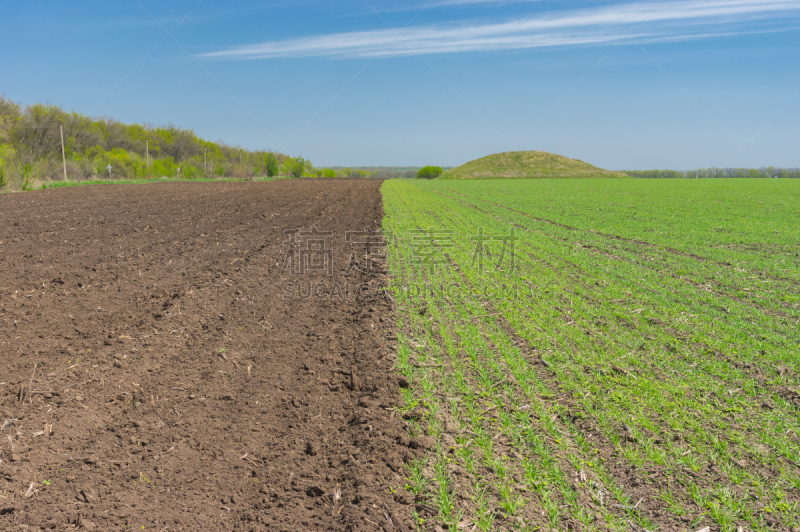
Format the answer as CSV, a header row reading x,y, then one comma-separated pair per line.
x,y
620,84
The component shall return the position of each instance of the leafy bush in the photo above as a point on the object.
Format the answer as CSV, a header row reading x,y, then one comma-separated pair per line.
x,y
123,164
5,153
165,167
80,169
272,165
430,172
26,183
328,172
297,167
190,171
17,173
356,173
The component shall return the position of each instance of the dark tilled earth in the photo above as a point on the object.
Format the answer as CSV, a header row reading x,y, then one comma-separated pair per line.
x,y
154,373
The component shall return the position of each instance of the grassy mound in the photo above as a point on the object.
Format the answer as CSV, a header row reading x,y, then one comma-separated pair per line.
x,y
526,164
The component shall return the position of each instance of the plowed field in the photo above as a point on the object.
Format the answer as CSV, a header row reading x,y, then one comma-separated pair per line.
x,y
155,375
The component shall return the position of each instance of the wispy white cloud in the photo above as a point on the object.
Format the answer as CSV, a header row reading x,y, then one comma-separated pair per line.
x,y
650,22
474,2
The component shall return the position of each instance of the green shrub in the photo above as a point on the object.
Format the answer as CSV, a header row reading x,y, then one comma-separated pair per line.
x,y
189,171
328,172
272,165
430,172
6,153
165,167
26,183
124,165
297,166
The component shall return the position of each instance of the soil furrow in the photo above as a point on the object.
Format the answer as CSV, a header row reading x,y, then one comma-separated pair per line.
x,y
158,373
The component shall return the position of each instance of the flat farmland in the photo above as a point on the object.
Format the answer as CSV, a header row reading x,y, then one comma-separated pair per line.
x,y
154,375
587,354
600,354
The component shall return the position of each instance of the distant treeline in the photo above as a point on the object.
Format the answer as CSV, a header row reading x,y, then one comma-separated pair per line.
x,y
768,172
31,149
365,173
377,172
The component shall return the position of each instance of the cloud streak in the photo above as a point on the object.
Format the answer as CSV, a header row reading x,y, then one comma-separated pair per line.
x,y
442,3
646,22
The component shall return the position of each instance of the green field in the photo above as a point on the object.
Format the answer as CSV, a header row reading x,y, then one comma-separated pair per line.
x,y
635,367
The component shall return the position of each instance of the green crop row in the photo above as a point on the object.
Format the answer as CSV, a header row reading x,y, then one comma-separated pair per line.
x,y
663,362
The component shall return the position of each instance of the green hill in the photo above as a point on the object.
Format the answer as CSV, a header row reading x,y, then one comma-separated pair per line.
x,y
526,164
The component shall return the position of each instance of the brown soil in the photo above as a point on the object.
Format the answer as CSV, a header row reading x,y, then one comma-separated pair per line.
x,y
155,376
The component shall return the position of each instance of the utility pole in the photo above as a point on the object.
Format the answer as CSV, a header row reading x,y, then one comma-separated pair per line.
x,y
147,156
63,153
